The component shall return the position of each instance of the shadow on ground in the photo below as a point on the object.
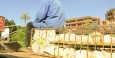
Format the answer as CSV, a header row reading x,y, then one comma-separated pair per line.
x,y
9,56
13,46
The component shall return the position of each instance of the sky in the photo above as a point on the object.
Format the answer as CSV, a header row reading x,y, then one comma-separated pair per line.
x,y
12,9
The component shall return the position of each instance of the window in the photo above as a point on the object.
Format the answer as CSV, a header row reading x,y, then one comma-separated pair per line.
x,y
72,25
72,21
104,23
79,25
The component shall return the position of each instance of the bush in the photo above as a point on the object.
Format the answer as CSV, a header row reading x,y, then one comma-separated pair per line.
x,y
19,36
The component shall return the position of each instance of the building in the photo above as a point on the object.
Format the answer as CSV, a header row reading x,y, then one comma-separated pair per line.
x,y
104,22
107,25
71,22
82,22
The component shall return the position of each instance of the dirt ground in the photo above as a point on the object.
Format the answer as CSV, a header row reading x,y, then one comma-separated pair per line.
x,y
8,50
13,50
19,55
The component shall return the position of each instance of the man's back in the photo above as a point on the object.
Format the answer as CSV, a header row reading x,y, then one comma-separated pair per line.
x,y
50,15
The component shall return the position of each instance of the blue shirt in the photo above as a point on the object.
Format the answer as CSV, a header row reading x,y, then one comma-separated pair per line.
x,y
50,15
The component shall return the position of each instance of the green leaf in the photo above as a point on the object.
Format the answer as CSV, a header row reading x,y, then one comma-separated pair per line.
x,y
41,41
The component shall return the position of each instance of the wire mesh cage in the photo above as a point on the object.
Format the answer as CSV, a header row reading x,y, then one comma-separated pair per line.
x,y
96,42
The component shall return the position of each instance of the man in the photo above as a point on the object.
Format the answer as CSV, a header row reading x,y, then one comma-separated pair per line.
x,y
50,15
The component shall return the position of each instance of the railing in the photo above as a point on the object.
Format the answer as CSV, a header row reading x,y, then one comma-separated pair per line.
x,y
74,42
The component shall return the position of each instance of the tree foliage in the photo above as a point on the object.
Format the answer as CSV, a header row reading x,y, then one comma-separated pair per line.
x,y
88,22
110,15
19,36
10,24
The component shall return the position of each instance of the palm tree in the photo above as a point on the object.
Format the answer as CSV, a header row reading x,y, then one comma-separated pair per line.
x,y
25,16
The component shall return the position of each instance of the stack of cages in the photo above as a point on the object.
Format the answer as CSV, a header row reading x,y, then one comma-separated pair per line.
x,y
89,42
